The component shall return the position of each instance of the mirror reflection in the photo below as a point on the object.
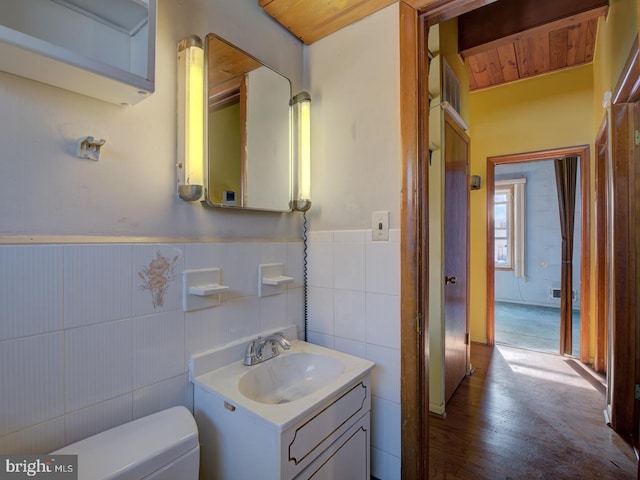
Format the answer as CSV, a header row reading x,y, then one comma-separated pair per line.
x,y
249,131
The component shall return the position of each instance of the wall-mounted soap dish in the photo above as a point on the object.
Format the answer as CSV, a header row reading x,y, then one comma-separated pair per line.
x,y
201,289
271,279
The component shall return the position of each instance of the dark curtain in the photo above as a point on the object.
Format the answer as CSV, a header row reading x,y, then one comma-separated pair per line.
x,y
566,172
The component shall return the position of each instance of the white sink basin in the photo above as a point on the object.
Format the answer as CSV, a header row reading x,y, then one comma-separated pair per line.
x,y
279,390
289,377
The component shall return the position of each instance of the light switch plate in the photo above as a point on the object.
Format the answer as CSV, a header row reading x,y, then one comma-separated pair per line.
x,y
380,226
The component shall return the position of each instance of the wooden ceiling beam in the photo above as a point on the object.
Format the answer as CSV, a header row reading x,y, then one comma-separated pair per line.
x,y
438,11
543,29
508,19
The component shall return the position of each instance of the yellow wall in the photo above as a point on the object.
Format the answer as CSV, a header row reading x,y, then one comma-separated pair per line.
x,y
540,113
615,38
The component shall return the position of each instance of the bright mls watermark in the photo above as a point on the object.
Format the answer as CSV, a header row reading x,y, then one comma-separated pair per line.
x,y
50,467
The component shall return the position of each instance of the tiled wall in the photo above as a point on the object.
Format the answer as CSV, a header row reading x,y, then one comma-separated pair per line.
x,y
354,307
92,336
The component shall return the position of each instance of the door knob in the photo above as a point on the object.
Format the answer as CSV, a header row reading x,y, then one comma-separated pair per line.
x,y
451,280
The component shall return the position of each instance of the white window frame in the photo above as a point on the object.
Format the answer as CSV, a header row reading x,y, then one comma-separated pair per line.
x,y
515,189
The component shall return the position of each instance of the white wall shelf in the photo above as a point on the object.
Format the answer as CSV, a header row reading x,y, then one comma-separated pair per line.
x,y
271,279
202,289
72,48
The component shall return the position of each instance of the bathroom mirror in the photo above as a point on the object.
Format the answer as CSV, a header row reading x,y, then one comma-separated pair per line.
x,y
249,152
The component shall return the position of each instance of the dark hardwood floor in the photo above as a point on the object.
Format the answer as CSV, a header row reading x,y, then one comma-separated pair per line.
x,y
526,415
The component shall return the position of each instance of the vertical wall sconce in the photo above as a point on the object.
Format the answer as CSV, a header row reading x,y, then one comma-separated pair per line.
x,y
302,189
190,163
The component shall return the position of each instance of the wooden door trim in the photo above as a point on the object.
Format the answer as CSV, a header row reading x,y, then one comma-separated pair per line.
x,y
601,268
625,233
414,395
585,237
439,11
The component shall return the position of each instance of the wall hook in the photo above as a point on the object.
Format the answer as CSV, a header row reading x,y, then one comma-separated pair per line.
x,y
89,148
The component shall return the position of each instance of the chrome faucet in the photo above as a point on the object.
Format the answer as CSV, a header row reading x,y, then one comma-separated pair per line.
x,y
255,352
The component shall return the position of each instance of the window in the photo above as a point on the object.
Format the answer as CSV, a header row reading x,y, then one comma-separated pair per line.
x,y
450,86
509,219
503,236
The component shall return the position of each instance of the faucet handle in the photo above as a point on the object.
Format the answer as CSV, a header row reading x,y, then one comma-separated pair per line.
x,y
281,335
252,352
286,344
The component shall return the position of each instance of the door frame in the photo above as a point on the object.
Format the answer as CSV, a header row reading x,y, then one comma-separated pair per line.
x,y
624,328
414,344
602,238
414,267
585,235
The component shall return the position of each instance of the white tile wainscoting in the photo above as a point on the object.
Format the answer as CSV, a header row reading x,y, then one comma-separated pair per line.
x,y
93,335
89,340
354,307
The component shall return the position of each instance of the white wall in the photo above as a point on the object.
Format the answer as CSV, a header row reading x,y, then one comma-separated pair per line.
x,y
354,283
355,134
46,190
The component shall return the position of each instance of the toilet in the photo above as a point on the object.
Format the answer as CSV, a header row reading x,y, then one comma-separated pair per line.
x,y
162,446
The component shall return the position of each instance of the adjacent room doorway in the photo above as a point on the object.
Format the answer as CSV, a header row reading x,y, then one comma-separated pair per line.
x,y
524,260
528,258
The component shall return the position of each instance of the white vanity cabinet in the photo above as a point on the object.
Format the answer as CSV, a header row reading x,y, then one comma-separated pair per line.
x,y
330,441
102,49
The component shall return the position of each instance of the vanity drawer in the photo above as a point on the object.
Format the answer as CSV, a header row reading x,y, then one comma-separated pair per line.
x,y
346,458
302,443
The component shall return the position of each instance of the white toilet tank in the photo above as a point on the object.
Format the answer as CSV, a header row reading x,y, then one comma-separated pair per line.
x,y
162,446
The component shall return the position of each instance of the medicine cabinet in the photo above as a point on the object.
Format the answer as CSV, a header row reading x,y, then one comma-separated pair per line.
x,y
103,49
249,131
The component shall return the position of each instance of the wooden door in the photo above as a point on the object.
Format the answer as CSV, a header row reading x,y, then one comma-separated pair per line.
x,y
456,256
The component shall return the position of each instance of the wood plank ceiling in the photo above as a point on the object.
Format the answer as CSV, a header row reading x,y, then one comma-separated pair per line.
x,y
503,40
512,40
311,20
